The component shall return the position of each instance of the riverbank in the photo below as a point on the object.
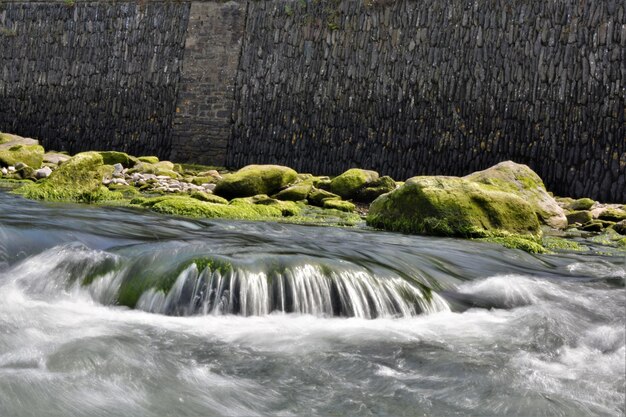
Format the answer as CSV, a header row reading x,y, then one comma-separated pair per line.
x,y
506,204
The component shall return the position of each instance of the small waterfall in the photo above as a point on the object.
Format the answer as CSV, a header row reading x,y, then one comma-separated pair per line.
x,y
304,289
188,284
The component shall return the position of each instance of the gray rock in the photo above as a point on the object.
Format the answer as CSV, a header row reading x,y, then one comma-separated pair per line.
x,y
43,172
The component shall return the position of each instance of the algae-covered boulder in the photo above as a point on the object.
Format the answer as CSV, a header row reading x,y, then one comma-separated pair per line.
x,y
452,206
348,184
31,155
296,192
581,217
523,181
114,157
164,168
581,204
374,189
340,205
79,179
255,179
317,197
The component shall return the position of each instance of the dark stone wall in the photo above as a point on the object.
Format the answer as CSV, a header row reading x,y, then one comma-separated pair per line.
x,y
87,75
437,87
203,121
403,87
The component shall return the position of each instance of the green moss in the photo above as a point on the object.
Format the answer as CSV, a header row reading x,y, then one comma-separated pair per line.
x,y
255,179
527,244
187,206
113,157
297,192
79,179
581,204
31,155
378,187
339,205
557,243
525,183
612,214
165,168
317,197
348,184
451,206
149,159
202,180
209,198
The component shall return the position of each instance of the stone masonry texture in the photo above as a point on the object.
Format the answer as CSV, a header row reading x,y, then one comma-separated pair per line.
x,y
437,87
404,87
82,75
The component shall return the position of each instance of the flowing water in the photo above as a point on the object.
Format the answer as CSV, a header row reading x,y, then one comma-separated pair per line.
x,y
240,318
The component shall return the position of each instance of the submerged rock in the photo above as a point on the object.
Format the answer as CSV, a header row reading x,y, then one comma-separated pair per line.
x,y
452,206
524,182
255,179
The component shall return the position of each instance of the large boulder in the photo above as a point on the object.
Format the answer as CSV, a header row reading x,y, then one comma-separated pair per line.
x,y
524,182
255,179
452,206
79,179
348,184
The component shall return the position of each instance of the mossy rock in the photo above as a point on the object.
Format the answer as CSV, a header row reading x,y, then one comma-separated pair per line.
x,y
612,214
348,184
202,180
524,182
79,179
581,217
375,189
452,206
114,157
31,155
165,168
190,207
620,227
594,226
255,179
209,198
581,204
296,192
150,159
317,197
340,205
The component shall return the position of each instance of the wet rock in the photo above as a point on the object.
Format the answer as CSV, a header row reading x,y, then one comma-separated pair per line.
x,y
348,184
581,204
581,217
255,179
317,197
296,192
524,182
453,206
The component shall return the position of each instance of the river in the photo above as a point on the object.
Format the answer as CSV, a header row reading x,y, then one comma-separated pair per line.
x,y
277,319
